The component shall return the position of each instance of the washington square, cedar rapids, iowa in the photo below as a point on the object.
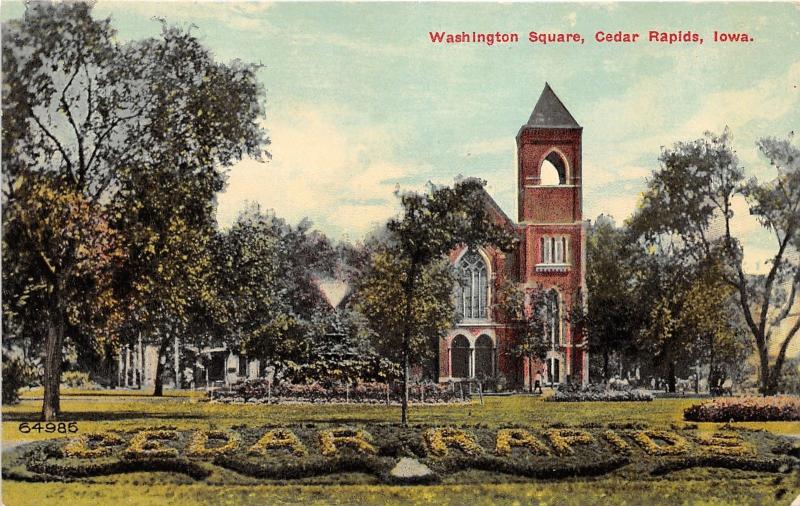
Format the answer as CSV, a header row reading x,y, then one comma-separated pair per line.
x,y
356,253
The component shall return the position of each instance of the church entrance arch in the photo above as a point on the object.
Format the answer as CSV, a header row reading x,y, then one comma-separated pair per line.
x,y
553,370
484,357
459,356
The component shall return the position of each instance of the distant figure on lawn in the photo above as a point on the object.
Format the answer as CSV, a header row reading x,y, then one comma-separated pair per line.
x,y
537,382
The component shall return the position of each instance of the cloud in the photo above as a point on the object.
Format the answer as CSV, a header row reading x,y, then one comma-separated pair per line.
x,y
627,150
767,100
325,167
240,16
498,146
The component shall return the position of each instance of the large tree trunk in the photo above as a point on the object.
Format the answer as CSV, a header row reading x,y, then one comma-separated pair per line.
x,y
409,294
52,363
763,359
158,390
671,377
775,377
712,374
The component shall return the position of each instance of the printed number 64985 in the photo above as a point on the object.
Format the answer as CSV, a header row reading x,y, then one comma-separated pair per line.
x,y
49,427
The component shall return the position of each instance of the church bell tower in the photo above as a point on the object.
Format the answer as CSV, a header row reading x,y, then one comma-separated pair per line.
x,y
551,224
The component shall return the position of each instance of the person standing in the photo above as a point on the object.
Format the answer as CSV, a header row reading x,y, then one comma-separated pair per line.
x,y
537,382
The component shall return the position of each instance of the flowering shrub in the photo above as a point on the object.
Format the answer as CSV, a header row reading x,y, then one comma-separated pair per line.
x,y
278,438
198,445
563,439
506,438
80,447
331,439
745,409
437,442
598,393
260,391
646,438
147,443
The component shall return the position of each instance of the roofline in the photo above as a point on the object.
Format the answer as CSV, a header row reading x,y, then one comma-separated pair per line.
x,y
536,127
499,209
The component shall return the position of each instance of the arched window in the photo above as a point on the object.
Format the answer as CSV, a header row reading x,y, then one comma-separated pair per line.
x,y
554,318
553,171
459,357
484,357
473,286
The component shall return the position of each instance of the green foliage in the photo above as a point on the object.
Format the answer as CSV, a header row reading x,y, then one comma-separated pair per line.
x,y
264,274
379,293
432,225
530,316
111,157
78,379
687,211
614,313
17,373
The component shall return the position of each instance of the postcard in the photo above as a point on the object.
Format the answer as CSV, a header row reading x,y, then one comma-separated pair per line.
x,y
400,253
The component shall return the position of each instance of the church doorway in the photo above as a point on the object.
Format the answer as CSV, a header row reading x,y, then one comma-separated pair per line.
x,y
553,370
459,357
484,357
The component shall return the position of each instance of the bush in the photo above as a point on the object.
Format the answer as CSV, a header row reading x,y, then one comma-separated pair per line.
x,y
78,379
260,391
17,373
745,409
597,393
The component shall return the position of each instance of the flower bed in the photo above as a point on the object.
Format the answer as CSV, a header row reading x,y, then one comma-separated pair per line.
x,y
598,393
260,391
308,450
745,409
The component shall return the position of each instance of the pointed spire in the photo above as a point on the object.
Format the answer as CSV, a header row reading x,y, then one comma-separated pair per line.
x,y
550,112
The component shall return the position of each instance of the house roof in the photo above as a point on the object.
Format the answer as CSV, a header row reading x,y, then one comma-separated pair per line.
x,y
550,112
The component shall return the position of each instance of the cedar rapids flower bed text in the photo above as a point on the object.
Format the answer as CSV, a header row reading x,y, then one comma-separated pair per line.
x,y
302,451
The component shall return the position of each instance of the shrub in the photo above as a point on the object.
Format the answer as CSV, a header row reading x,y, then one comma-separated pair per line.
x,y
773,465
261,391
78,379
17,373
598,393
745,409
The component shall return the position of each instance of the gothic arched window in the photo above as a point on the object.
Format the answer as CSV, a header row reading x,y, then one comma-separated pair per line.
x,y
553,170
554,318
473,286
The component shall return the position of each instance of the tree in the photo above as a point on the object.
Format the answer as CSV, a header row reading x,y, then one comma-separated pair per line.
x,y
93,117
690,199
381,286
612,318
265,271
431,225
530,319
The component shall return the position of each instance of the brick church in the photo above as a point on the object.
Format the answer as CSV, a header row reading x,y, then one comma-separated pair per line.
x,y
550,256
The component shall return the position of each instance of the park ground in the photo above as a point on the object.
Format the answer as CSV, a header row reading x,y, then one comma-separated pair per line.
x,y
103,410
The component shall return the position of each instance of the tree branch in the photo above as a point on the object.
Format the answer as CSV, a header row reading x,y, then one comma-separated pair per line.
x,y
771,279
58,145
776,369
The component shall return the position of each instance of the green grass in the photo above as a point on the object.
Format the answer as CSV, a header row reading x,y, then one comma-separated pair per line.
x,y
712,489
104,410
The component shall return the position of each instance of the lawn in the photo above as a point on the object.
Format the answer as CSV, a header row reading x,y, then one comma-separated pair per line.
x,y
104,410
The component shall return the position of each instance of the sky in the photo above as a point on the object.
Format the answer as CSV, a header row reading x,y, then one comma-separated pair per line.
x,y
360,102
